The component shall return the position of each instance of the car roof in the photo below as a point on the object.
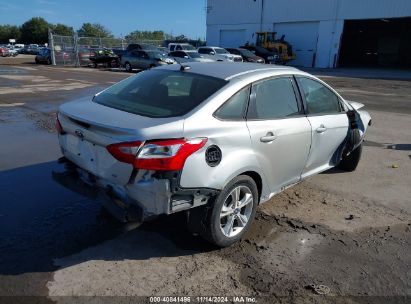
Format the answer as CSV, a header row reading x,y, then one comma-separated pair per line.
x,y
230,70
211,47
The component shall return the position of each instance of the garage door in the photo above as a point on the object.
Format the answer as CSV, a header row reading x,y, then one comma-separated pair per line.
x,y
376,42
232,38
303,37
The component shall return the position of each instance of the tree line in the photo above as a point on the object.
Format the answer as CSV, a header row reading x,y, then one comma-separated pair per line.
x,y
36,30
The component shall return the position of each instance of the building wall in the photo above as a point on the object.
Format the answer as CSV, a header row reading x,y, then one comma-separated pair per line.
x,y
330,15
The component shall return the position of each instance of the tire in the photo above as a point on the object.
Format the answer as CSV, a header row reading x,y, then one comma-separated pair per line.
x,y
217,227
128,67
350,162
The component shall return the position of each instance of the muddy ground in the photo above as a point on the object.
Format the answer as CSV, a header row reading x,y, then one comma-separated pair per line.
x,y
347,231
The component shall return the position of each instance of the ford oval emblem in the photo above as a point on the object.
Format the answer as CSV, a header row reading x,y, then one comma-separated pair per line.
x,y
79,133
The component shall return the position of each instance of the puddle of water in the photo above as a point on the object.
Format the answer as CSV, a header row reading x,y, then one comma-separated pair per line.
x,y
41,220
11,71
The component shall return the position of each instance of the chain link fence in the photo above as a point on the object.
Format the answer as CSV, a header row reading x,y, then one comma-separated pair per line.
x,y
82,51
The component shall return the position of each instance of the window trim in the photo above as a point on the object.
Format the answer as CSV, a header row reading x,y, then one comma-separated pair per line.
x,y
245,110
253,96
304,101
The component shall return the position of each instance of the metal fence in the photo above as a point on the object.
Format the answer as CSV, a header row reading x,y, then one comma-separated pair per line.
x,y
76,51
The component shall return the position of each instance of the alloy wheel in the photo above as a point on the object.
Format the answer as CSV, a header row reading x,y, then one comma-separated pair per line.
x,y
236,211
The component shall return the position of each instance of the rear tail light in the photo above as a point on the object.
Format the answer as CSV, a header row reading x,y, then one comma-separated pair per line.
x,y
167,155
58,126
125,152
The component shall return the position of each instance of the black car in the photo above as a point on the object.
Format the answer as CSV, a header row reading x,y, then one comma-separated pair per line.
x,y
269,57
247,55
134,46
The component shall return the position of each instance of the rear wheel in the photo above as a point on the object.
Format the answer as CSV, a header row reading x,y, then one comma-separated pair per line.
x,y
233,212
350,162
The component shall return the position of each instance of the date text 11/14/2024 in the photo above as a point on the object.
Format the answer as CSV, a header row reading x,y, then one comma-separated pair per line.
x,y
203,299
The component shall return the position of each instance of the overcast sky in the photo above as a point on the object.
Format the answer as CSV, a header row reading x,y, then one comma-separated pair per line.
x,y
120,16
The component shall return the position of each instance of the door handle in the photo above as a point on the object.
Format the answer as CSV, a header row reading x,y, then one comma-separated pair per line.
x,y
321,129
269,137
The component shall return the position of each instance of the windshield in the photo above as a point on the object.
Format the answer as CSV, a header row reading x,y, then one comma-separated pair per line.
x,y
271,37
160,93
188,47
156,54
221,51
247,53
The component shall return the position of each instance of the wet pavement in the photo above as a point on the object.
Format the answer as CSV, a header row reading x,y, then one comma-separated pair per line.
x,y
41,220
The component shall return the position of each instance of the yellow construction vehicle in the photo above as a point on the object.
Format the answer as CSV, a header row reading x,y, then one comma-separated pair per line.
x,y
267,40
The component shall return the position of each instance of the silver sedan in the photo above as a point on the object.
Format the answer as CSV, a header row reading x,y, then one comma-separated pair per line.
x,y
214,140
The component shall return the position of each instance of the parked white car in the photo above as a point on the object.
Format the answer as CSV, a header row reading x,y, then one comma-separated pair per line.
x,y
189,56
180,47
219,53
13,51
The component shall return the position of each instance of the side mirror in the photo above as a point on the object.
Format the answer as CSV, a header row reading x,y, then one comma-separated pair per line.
x,y
186,57
212,53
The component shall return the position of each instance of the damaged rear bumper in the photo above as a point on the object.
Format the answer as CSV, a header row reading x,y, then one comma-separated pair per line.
x,y
147,194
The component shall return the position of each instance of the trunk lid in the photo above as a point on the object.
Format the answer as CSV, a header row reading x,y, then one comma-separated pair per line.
x,y
90,127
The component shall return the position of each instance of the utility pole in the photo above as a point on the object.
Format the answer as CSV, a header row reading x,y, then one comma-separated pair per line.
x,y
261,15
51,43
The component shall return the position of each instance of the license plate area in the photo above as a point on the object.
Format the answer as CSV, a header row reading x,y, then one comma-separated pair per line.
x,y
83,151
95,159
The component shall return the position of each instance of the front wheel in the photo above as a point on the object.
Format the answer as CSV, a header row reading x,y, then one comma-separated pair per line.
x,y
233,212
350,162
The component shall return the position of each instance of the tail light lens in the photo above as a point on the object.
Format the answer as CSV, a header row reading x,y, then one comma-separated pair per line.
x,y
157,155
125,152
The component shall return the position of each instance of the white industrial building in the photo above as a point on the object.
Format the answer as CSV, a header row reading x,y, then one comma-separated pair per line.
x,y
323,33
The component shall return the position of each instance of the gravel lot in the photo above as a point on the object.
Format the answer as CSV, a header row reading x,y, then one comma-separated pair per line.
x,y
347,231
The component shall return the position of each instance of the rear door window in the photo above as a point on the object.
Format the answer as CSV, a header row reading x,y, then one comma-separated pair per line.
x,y
274,99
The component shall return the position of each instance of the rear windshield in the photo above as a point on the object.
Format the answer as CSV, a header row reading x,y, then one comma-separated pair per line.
x,y
160,93
220,51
